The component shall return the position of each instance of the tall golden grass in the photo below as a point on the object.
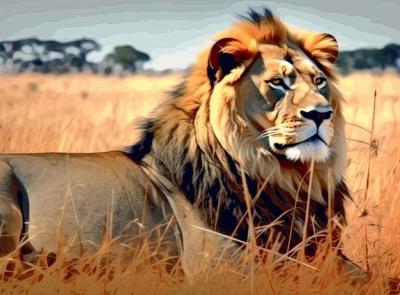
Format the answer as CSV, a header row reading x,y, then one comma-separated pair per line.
x,y
85,113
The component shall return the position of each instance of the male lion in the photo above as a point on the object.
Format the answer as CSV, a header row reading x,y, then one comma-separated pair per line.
x,y
258,116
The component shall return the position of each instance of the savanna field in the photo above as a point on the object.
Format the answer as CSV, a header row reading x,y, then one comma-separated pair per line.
x,y
86,113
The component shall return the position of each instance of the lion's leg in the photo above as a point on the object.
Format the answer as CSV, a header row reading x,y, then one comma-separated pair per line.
x,y
10,225
11,220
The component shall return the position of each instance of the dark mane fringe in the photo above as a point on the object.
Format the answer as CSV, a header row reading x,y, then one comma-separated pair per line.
x,y
257,17
141,148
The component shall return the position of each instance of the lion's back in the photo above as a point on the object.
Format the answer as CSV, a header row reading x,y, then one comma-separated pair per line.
x,y
78,198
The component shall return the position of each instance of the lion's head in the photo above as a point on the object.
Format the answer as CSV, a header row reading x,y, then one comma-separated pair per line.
x,y
273,89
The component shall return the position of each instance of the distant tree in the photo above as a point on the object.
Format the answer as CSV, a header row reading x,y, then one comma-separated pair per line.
x,y
391,54
78,50
3,55
128,57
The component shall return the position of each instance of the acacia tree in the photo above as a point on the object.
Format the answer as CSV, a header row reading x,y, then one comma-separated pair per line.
x,y
128,57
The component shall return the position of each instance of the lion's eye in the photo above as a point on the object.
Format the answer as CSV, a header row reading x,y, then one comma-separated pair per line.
x,y
277,83
320,82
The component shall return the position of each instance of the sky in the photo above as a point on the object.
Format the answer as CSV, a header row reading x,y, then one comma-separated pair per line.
x,y
173,32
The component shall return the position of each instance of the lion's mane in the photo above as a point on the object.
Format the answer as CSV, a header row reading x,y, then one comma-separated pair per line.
x,y
182,146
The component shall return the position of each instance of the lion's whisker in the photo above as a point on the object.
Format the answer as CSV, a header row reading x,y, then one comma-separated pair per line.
x,y
267,134
281,129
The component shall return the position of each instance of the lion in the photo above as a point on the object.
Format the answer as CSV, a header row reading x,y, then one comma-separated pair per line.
x,y
252,139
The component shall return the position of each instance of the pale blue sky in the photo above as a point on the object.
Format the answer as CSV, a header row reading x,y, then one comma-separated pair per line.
x,y
172,32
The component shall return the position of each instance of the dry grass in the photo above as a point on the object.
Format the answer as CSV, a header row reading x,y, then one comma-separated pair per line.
x,y
82,113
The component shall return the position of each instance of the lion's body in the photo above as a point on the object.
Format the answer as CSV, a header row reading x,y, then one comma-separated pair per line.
x,y
68,199
255,130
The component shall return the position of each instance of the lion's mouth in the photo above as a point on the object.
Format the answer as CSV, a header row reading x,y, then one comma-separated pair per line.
x,y
313,138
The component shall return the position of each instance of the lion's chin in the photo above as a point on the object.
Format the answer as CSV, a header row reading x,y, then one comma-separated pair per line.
x,y
307,151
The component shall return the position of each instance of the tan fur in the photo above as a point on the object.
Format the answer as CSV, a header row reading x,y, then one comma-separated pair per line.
x,y
70,198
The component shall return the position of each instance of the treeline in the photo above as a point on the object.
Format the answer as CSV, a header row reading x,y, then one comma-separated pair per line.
x,y
50,56
367,59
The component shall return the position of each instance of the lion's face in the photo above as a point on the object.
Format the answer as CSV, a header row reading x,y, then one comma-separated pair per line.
x,y
285,99
272,97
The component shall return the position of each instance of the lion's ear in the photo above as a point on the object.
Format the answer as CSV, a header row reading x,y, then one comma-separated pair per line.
x,y
225,55
321,47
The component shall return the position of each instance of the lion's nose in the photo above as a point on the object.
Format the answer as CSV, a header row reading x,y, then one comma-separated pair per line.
x,y
316,116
